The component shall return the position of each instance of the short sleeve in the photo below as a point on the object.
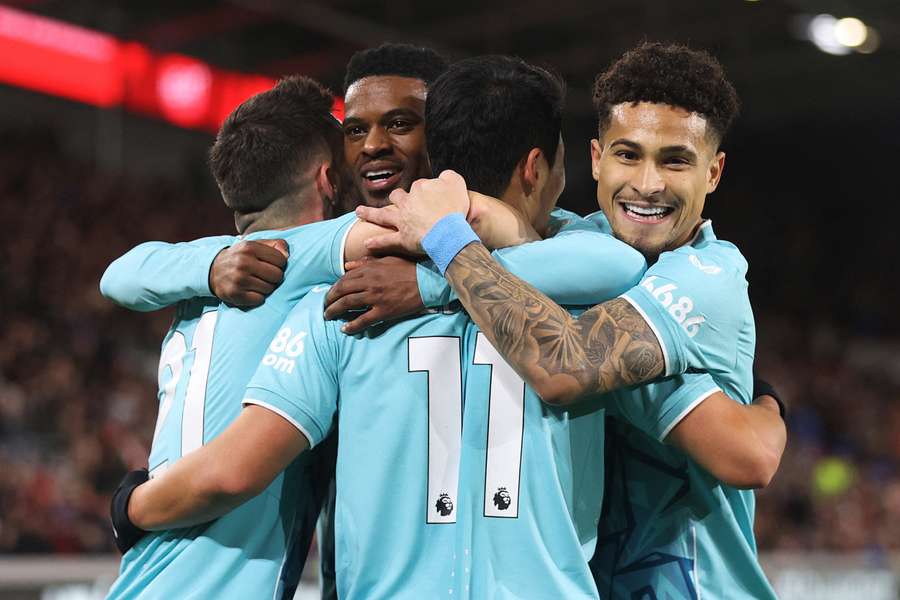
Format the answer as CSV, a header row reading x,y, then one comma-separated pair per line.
x,y
297,377
696,302
657,407
316,251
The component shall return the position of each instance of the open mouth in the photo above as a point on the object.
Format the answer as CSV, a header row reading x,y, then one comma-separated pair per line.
x,y
643,213
381,179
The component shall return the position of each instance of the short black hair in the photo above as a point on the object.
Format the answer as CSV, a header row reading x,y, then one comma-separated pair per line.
x,y
669,74
403,60
486,113
266,144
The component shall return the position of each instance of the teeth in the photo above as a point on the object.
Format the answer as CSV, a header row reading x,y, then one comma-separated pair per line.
x,y
646,210
379,174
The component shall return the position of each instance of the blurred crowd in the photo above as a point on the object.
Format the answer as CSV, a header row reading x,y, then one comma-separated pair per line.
x,y
78,393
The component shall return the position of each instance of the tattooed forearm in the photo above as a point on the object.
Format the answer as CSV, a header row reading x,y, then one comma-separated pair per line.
x,y
560,356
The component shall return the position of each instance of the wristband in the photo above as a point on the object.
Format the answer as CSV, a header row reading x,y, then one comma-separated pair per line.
x,y
126,533
446,238
764,388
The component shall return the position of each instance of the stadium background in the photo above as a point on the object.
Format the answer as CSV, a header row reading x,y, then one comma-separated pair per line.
x,y
105,131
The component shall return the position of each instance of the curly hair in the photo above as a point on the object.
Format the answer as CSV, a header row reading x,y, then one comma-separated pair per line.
x,y
404,60
266,144
668,74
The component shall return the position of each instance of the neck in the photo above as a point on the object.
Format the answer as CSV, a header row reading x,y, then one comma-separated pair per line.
x,y
284,213
526,205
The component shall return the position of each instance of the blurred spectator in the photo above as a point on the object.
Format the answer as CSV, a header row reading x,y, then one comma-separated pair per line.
x,y
77,374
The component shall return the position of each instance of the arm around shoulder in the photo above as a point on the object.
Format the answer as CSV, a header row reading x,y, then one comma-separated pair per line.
x,y
740,444
234,467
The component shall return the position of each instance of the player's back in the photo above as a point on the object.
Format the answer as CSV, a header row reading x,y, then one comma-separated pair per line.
x,y
208,357
531,486
396,394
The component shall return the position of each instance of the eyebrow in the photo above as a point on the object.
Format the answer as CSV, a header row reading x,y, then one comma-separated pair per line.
x,y
679,149
401,112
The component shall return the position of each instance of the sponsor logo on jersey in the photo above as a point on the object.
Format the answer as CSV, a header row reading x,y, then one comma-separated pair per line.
x,y
708,269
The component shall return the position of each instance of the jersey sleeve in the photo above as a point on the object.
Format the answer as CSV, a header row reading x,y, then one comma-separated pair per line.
x,y
316,251
155,275
657,407
696,302
297,377
575,267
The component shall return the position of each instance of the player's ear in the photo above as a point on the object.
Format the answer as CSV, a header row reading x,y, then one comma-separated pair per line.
x,y
533,170
596,153
714,175
327,180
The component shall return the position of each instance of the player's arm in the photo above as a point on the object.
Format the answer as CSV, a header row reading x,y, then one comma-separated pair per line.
x,y
383,289
498,225
560,356
740,444
155,275
207,483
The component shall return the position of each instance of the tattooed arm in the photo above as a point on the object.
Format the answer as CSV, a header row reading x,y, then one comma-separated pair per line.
x,y
562,357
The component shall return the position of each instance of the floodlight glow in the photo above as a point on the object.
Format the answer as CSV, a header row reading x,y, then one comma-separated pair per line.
x,y
850,32
822,32
870,45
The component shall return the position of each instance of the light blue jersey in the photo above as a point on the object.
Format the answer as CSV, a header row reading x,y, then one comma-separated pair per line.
x,y
531,481
208,356
397,395
413,452
670,529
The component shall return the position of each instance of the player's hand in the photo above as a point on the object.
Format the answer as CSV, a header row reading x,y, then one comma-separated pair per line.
x,y
244,274
413,214
385,288
127,534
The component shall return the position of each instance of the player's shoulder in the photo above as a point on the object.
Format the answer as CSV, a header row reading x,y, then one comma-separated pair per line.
x,y
707,267
708,255
302,233
564,221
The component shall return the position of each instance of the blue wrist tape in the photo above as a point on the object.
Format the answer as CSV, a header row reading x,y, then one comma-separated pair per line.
x,y
446,238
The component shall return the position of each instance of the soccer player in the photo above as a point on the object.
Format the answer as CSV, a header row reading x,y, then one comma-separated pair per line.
x,y
397,393
384,117
656,159
276,160
385,98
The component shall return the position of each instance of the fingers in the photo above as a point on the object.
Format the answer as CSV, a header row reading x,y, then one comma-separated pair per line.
x,y
386,244
267,272
274,252
451,176
362,322
347,303
355,264
387,216
277,244
348,284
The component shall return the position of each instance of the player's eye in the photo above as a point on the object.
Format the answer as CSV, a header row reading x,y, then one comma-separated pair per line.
x,y
677,162
354,132
400,125
627,155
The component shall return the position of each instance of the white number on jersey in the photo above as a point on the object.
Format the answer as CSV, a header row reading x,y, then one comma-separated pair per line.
x,y
439,357
172,358
679,310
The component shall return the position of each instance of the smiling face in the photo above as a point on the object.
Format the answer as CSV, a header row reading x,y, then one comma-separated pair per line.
x,y
384,135
654,166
